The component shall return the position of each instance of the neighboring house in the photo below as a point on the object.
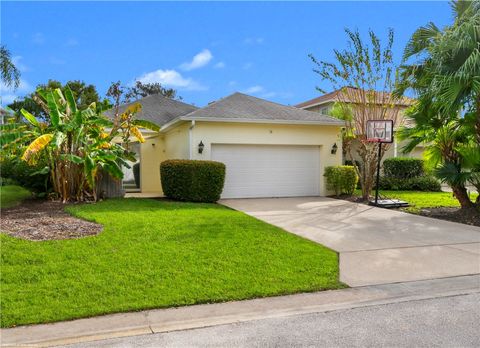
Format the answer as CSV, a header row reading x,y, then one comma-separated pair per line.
x,y
324,104
270,150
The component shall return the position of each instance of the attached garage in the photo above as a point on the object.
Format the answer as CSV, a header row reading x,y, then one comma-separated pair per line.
x,y
269,170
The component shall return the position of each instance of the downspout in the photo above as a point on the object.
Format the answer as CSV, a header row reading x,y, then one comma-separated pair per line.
x,y
190,136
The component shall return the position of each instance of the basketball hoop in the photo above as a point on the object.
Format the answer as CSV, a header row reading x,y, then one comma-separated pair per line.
x,y
379,131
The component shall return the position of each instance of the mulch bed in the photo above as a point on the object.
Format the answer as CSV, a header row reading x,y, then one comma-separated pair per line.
x,y
40,220
471,217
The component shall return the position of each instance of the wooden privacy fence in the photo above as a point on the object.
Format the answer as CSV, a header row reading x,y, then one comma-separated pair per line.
x,y
109,187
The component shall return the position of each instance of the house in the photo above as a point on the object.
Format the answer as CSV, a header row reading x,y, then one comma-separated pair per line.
x,y
324,103
269,149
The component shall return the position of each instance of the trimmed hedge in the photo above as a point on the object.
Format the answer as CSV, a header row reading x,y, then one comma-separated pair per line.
x,y
341,179
421,183
192,180
136,174
403,167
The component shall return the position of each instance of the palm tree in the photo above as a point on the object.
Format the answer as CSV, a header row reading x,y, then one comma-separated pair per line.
x,y
9,73
442,67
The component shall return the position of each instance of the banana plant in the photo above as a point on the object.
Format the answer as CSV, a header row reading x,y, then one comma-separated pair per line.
x,y
80,145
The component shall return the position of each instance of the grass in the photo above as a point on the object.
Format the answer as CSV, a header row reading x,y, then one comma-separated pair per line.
x,y
155,254
12,195
419,200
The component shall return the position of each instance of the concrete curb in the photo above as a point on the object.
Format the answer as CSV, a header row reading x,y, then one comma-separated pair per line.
x,y
190,317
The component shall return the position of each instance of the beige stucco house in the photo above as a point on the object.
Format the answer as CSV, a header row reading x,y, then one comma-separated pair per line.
x,y
270,150
324,103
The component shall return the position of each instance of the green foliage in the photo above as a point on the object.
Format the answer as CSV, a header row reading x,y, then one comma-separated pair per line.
x,y
76,143
9,73
83,95
363,75
403,167
341,179
156,254
420,183
442,67
136,174
36,177
12,195
192,180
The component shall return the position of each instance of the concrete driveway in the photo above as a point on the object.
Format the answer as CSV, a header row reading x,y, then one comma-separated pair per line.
x,y
376,245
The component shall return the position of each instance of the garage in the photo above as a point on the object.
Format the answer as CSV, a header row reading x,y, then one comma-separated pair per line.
x,y
269,170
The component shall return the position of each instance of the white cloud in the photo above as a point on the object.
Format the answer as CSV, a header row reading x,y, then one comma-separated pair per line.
x,y
171,78
232,83
199,60
71,42
254,89
38,38
219,65
247,66
253,41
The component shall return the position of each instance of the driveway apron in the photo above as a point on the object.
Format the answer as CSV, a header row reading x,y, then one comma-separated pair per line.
x,y
376,246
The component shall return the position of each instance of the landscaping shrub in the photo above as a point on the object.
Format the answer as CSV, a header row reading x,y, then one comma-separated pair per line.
x,y
136,174
403,167
421,183
191,180
35,178
341,179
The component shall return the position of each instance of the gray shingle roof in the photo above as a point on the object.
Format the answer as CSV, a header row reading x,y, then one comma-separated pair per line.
x,y
157,109
239,106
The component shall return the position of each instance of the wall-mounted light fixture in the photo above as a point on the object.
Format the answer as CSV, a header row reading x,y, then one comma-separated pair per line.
x,y
334,149
200,147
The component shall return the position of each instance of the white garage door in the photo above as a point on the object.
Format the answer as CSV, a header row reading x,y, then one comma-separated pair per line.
x,y
269,170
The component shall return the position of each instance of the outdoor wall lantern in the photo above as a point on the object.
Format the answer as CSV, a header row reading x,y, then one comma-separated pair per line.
x,y
334,149
200,147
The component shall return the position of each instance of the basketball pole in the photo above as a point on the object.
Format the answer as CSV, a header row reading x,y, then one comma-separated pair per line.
x,y
378,171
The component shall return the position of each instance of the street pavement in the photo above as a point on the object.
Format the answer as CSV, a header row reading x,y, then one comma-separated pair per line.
x,y
441,322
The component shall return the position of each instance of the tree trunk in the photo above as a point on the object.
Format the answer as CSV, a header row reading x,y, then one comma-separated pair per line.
x,y
460,192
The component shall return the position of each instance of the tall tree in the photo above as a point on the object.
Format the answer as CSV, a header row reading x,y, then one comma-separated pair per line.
x,y
364,73
84,95
9,73
141,90
442,67
121,94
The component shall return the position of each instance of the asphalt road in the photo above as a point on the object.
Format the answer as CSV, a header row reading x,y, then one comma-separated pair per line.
x,y
445,322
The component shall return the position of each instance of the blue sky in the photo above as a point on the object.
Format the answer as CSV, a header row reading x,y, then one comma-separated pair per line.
x,y
206,50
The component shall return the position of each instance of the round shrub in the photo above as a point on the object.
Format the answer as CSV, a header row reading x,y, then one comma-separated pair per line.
x,y
192,180
341,179
136,174
403,167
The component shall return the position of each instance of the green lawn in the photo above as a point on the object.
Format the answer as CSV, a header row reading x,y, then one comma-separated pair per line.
x,y
419,200
155,254
11,195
